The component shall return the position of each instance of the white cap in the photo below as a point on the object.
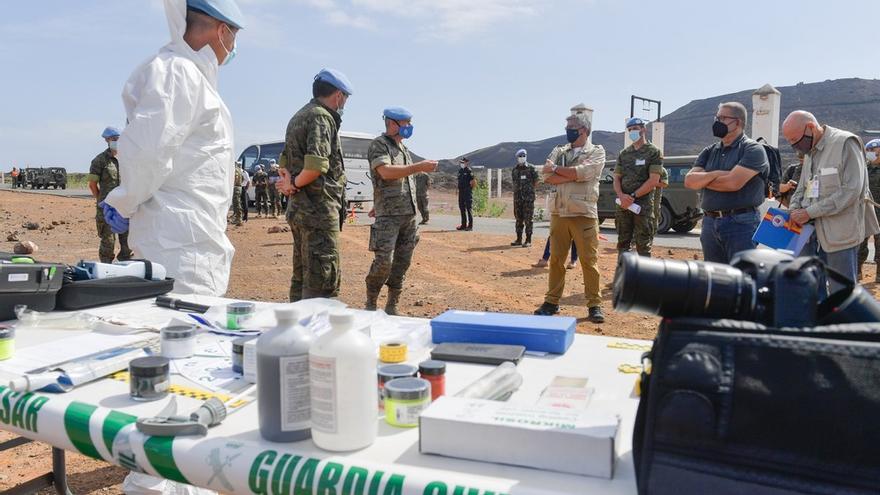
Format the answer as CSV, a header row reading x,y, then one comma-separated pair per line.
x,y
287,313
341,318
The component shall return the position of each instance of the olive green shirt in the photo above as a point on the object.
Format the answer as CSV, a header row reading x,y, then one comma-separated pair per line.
x,y
395,196
635,166
105,171
312,143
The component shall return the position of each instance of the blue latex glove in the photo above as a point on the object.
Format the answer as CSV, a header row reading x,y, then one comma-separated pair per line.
x,y
118,224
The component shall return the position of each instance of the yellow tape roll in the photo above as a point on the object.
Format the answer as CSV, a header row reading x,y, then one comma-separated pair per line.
x,y
392,352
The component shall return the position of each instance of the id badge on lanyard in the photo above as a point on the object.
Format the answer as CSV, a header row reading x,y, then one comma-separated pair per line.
x,y
813,188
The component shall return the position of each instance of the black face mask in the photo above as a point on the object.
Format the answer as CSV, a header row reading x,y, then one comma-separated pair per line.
x,y
804,144
720,129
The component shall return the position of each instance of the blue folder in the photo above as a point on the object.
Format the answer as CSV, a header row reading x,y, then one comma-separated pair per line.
x,y
537,333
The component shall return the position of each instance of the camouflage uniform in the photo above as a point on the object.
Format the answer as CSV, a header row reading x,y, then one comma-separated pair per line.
x,y
874,186
314,213
423,182
634,167
394,235
105,171
274,195
524,178
236,197
658,196
261,194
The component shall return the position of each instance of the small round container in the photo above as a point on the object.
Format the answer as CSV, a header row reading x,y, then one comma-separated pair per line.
x,y
238,354
239,314
149,378
7,343
178,341
405,399
388,372
434,372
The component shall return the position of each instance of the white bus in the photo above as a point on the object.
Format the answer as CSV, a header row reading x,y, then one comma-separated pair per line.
x,y
359,186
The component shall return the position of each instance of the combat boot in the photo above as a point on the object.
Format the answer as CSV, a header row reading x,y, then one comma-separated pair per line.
x,y
518,241
372,297
393,299
877,274
528,241
859,272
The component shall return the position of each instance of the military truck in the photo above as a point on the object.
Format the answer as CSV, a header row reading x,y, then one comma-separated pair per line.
x,y
44,177
680,209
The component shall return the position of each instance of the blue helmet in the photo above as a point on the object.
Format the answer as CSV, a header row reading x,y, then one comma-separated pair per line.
x,y
872,144
336,79
397,113
110,132
223,10
521,152
635,121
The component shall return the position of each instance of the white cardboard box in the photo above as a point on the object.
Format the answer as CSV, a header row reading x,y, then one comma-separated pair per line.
x,y
563,440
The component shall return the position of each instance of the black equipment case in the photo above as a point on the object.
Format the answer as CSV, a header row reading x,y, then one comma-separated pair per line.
x,y
31,283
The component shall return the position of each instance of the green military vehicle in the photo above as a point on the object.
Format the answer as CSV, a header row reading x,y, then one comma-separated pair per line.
x,y
680,209
45,177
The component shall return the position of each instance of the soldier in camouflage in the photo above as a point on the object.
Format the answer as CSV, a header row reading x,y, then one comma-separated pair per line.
x,y
525,179
103,178
658,195
261,192
872,152
394,234
273,194
236,195
313,175
636,178
423,183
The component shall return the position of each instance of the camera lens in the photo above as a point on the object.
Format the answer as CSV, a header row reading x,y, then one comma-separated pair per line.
x,y
673,289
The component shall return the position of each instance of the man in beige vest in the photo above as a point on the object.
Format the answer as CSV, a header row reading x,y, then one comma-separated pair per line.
x,y
575,169
832,192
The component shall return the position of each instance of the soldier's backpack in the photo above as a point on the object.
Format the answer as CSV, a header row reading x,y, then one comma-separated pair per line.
x,y
774,175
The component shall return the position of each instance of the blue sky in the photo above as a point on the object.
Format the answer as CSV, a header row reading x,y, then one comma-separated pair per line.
x,y
474,72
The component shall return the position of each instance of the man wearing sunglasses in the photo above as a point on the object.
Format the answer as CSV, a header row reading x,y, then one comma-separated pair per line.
x,y
731,174
832,192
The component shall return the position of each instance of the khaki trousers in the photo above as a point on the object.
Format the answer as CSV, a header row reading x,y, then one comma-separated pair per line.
x,y
584,232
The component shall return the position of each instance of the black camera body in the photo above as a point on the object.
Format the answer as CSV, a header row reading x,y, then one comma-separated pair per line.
x,y
760,285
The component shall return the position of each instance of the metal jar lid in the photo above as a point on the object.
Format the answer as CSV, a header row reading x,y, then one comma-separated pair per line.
x,y
241,308
7,333
408,389
432,367
149,366
178,332
238,344
389,372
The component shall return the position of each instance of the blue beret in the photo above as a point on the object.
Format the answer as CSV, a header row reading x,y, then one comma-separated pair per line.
x,y
634,121
521,153
110,132
874,143
397,113
336,79
223,10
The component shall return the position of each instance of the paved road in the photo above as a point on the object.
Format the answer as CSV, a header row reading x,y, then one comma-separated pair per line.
x,y
68,193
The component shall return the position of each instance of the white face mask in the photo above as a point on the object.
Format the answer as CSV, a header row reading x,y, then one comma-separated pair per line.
x,y
521,160
114,145
871,156
462,165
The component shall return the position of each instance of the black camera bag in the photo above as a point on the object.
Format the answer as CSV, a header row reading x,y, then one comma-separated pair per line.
x,y
734,407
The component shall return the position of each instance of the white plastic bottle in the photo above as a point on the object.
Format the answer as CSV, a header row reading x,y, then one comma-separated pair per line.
x,y
283,379
342,370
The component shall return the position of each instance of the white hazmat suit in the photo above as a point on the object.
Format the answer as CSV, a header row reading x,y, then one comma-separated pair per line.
x,y
176,165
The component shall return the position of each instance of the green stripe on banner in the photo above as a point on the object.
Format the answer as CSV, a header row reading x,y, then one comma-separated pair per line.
x,y
76,422
161,456
114,422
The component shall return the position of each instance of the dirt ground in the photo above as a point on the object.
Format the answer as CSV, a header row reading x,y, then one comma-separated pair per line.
x,y
461,270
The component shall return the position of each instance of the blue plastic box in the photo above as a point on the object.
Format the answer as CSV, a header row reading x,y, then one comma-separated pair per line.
x,y
537,333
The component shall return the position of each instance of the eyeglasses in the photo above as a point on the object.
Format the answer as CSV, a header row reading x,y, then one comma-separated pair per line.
x,y
719,118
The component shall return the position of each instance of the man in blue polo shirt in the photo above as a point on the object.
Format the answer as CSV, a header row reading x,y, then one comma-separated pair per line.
x,y
731,174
